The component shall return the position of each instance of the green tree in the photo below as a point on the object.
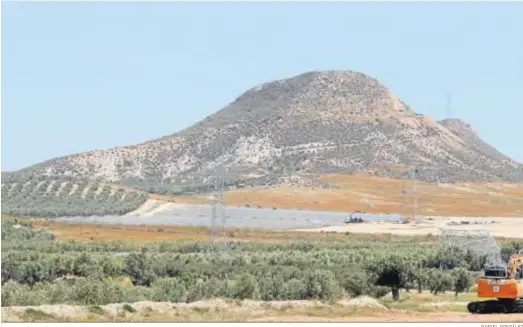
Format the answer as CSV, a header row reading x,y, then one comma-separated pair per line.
x,y
139,267
14,294
169,290
439,281
271,287
92,291
393,271
213,288
294,289
462,280
322,284
246,287
417,271
354,281
197,291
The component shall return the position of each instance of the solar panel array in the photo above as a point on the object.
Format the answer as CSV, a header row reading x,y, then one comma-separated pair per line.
x,y
237,217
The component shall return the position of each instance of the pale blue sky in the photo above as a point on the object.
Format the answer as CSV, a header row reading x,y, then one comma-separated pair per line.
x,y
84,76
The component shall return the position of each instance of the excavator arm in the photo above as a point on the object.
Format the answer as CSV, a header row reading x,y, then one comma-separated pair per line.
x,y
515,266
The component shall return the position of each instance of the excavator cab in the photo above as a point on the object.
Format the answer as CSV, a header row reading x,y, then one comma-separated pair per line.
x,y
495,272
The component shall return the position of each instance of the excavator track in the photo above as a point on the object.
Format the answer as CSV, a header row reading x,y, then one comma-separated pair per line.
x,y
496,306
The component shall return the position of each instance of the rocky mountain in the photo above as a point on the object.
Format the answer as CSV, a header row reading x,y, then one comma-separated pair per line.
x,y
311,124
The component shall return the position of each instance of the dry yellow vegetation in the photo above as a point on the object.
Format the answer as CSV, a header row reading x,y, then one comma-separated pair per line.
x,y
430,309
383,195
152,234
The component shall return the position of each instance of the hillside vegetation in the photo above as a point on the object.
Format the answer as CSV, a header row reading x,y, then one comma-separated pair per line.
x,y
310,125
59,197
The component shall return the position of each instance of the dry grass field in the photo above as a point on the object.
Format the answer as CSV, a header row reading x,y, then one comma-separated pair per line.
x,y
383,195
151,234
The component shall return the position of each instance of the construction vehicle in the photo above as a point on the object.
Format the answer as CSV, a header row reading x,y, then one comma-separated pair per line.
x,y
504,285
351,219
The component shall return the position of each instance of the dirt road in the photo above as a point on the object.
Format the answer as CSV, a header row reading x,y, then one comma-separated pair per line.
x,y
397,316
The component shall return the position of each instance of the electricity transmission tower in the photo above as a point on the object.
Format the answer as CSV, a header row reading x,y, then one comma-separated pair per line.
x,y
414,193
479,242
410,193
288,167
218,206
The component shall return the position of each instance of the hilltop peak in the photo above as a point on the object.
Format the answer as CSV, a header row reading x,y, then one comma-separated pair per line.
x,y
334,95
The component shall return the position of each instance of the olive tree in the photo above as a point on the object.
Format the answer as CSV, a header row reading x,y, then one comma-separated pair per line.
x,y
394,271
463,280
439,281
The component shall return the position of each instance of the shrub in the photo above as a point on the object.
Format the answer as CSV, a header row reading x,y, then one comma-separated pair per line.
x,y
96,310
15,294
322,284
246,287
128,308
293,289
90,291
169,290
36,315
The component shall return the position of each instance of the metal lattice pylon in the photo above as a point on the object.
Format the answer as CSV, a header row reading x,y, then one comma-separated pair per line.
x,y
409,191
218,206
479,242
218,213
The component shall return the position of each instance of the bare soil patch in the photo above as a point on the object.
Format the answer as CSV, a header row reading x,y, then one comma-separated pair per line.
x,y
509,227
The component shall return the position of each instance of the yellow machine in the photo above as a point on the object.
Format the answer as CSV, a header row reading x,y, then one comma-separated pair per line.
x,y
504,285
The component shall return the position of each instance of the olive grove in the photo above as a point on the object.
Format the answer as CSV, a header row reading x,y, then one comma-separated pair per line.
x,y
38,269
